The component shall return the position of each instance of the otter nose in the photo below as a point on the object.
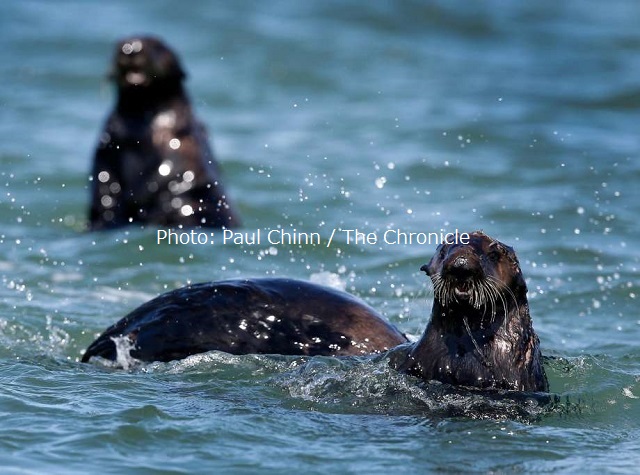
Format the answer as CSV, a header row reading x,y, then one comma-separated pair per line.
x,y
460,262
461,267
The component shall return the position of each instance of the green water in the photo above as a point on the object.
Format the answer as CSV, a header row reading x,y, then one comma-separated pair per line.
x,y
518,119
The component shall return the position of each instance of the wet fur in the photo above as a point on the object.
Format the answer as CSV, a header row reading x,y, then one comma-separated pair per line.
x,y
480,333
264,316
137,176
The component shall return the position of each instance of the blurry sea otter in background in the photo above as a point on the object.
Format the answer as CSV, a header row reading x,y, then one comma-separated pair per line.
x,y
154,163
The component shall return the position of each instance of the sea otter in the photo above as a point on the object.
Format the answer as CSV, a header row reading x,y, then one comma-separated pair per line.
x,y
480,333
153,163
263,315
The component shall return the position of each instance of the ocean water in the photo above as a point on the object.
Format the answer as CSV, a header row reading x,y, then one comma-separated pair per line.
x,y
518,118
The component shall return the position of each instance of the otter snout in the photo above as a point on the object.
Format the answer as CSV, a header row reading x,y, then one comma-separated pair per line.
x,y
131,63
141,61
461,264
462,269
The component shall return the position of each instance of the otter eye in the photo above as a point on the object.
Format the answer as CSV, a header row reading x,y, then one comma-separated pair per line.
x,y
494,256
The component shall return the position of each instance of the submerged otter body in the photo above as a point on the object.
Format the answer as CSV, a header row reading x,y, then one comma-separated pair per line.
x,y
265,316
480,333
153,163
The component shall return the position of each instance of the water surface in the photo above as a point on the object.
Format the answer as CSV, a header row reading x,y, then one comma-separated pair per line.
x,y
518,119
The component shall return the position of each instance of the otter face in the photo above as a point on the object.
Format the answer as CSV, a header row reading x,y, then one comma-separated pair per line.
x,y
144,61
478,273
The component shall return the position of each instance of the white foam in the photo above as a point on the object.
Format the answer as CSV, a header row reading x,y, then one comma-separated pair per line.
x,y
329,279
124,345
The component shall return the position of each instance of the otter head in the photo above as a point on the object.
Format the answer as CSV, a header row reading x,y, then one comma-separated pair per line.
x,y
145,61
478,273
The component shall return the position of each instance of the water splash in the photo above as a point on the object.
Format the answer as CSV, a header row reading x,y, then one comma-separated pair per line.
x,y
124,345
328,279
363,385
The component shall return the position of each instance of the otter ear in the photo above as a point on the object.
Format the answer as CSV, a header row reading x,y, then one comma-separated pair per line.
x,y
428,268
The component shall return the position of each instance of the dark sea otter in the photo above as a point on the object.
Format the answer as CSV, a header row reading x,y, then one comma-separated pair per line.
x,y
153,163
267,316
480,333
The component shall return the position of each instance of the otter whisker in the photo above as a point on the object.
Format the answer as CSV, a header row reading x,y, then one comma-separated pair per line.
x,y
492,290
478,294
493,296
508,292
483,294
488,292
441,289
498,295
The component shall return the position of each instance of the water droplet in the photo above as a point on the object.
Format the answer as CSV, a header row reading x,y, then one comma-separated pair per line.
x,y
380,182
188,176
165,168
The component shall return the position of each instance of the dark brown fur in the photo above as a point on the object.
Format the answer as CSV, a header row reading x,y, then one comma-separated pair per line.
x,y
266,316
480,333
153,163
